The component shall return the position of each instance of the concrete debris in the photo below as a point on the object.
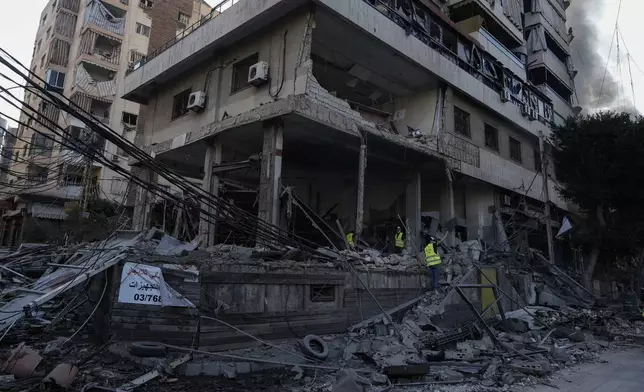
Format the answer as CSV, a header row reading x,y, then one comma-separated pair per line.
x,y
431,337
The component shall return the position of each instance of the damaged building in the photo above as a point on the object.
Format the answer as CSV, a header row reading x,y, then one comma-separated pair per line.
x,y
376,114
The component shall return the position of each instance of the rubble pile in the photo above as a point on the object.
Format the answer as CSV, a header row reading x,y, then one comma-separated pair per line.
x,y
47,305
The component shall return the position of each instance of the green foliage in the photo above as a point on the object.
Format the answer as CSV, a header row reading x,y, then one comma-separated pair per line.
x,y
599,162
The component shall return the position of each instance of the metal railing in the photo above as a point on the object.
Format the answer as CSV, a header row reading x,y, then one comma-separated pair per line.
x,y
216,11
412,20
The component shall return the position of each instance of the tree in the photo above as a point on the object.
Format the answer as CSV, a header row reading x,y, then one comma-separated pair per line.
x,y
599,162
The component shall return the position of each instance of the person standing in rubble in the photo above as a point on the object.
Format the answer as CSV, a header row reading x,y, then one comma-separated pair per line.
x,y
399,241
433,261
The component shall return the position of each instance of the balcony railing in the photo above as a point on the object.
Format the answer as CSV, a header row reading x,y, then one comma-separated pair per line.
x,y
420,22
70,5
217,10
97,14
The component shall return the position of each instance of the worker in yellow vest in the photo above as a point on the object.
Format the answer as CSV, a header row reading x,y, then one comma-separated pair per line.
x,y
433,261
351,239
399,240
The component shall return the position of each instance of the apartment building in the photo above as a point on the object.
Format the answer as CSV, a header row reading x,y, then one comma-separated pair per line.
x,y
374,112
82,50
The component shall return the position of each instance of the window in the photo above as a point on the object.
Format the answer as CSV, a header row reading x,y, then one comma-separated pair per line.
x,y
461,122
55,80
44,18
38,45
42,61
183,18
322,293
180,104
41,144
240,72
146,3
515,149
143,29
130,119
491,137
537,159
48,32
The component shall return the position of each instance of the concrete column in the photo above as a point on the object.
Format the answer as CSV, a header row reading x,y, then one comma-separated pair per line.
x,y
448,210
271,173
362,166
143,200
207,223
413,211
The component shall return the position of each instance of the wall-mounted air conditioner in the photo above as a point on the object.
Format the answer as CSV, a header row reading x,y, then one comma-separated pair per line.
x,y
197,101
258,74
505,95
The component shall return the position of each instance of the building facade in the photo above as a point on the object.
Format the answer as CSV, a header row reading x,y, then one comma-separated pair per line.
x,y
82,50
376,112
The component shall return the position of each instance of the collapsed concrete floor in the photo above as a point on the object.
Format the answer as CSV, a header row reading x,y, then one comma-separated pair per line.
x,y
478,331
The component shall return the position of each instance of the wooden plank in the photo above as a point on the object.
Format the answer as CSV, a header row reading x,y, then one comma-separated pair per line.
x,y
272,278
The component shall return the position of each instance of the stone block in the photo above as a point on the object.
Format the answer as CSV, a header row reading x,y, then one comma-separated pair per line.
x,y
212,369
193,369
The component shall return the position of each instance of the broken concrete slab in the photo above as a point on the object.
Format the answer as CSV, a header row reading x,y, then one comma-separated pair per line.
x,y
347,380
536,368
402,371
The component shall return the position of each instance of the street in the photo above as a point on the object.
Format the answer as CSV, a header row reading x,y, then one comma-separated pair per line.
x,y
619,371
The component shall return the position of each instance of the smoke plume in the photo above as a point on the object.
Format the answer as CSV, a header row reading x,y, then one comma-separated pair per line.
x,y
583,18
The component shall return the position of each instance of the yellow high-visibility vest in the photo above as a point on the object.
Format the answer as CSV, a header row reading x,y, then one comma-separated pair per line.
x,y
400,243
431,257
350,240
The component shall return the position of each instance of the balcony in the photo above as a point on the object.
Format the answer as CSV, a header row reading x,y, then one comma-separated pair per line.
x,y
101,49
69,5
500,52
105,18
502,19
95,81
99,108
534,19
547,59
58,52
65,24
562,108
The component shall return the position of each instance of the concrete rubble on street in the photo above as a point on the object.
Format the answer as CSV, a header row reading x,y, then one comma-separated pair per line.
x,y
53,334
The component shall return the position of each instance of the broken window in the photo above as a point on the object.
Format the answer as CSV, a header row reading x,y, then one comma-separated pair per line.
x,y
461,122
38,45
515,150
146,3
322,293
130,119
142,29
41,144
491,137
240,72
180,104
55,80
42,61
183,18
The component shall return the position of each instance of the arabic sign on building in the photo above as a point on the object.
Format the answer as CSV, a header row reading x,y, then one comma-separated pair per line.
x,y
144,285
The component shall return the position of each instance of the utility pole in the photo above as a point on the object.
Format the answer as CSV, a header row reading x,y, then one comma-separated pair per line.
x,y
546,197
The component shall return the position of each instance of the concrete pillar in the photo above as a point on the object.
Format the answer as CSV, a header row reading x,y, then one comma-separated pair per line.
x,y
207,223
362,166
448,210
271,173
143,200
413,211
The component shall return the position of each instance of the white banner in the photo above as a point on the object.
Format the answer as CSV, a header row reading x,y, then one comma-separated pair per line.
x,y
144,285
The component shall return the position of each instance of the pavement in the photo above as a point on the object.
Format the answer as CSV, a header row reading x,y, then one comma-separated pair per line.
x,y
617,371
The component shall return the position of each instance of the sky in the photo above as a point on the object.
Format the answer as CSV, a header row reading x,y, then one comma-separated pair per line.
x,y
19,23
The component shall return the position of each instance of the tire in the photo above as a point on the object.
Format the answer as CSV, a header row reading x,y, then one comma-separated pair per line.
x,y
314,347
147,349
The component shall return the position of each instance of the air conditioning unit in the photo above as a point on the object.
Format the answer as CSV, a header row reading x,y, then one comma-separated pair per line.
x,y
525,110
258,74
505,95
507,200
197,101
